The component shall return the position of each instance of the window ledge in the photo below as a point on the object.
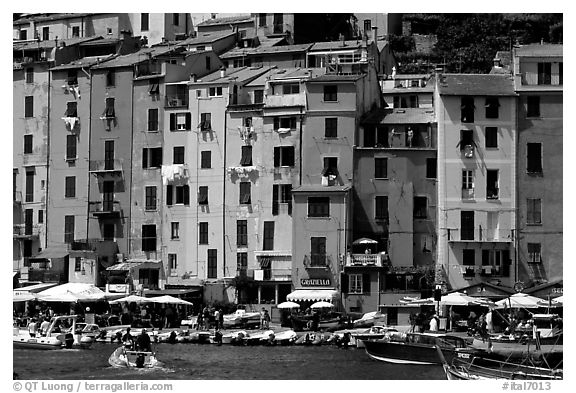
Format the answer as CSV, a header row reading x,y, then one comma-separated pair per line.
x,y
534,224
71,159
381,178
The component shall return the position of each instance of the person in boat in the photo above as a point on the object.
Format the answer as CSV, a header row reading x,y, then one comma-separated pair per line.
x,y
127,339
44,326
143,342
266,319
32,327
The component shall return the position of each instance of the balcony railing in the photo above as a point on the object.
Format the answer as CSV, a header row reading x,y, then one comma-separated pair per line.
x,y
26,231
495,271
492,193
480,234
317,260
358,260
176,101
467,193
106,166
105,208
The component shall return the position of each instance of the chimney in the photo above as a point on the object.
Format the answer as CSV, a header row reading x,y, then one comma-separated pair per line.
x,y
374,33
192,77
497,62
222,72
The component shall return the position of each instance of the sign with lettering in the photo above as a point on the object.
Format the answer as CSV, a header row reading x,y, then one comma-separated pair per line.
x,y
315,282
558,290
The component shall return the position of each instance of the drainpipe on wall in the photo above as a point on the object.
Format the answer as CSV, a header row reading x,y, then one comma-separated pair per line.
x,y
47,165
129,231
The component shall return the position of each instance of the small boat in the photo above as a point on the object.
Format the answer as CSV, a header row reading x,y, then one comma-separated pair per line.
x,y
370,319
123,357
374,333
416,348
286,337
311,338
235,338
241,317
263,337
55,337
28,342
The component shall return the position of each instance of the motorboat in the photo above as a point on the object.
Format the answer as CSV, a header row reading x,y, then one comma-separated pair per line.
x,y
56,336
370,319
286,337
311,338
262,337
235,338
373,333
241,317
124,357
416,348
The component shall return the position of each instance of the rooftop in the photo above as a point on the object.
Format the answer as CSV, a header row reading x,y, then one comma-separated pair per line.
x,y
336,78
200,39
321,188
476,84
83,62
539,50
227,20
262,49
287,73
240,75
136,57
27,18
401,116
48,44
333,45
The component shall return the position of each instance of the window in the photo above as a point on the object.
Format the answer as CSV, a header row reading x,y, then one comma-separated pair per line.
x,y
110,78
318,207
242,263
108,231
283,156
290,88
28,139
534,158
331,93
180,121
153,119
533,106
151,157
109,30
431,164
175,19
491,137
368,26
68,229
467,109
268,243
215,91
534,253
284,123
380,168
533,211
420,207
205,159
331,127
182,195
355,283
46,33
560,73
172,261
246,159
108,195
258,96
175,230
381,207
205,121
469,261
330,166
261,20
29,106
108,155
245,197
29,75
40,216
72,77
203,233
467,225
413,101
466,139
150,198
242,233
178,155
281,193
144,21
544,73
70,187
29,186
201,48
212,263
208,65
492,186
109,110
318,251
149,237
77,264
492,107
153,86
203,195
71,109
467,184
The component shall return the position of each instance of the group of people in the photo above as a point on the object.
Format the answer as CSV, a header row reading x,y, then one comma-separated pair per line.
x,y
424,322
210,317
141,343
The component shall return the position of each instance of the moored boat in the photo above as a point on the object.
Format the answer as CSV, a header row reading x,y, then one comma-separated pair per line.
x,y
123,357
286,337
56,336
374,333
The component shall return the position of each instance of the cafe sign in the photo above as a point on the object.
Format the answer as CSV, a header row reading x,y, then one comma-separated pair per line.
x,y
315,282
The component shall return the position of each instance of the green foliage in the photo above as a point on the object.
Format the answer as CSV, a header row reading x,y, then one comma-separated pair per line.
x,y
401,43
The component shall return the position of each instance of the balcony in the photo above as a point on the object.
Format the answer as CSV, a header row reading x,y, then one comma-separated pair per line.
x,y
101,167
492,193
288,100
321,261
105,209
495,271
23,231
467,194
247,107
365,260
480,234
177,101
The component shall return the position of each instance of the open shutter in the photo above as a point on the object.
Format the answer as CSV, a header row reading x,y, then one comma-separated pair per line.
x,y
276,157
169,193
344,283
172,121
144,158
366,283
275,200
188,121
186,195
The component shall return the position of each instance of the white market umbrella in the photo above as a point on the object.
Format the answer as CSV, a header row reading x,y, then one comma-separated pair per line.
x,y
167,299
364,240
22,297
131,299
555,302
64,298
72,290
520,300
450,299
288,305
321,305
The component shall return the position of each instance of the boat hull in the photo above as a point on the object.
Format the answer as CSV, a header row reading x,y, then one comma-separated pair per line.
x,y
44,343
133,359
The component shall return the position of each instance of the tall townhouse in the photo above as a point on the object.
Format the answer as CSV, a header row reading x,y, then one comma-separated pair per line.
x,y
538,81
205,222
323,203
263,161
31,131
476,183
395,200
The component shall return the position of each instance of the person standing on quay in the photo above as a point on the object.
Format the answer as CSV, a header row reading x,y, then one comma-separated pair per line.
x,y
217,319
221,319
32,327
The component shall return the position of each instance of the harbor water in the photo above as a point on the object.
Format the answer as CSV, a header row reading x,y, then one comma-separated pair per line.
x,y
212,362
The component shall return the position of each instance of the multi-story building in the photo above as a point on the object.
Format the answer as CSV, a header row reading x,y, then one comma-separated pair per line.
x,y
476,180
538,80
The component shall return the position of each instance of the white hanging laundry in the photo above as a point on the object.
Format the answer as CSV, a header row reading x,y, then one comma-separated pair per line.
x,y
70,121
283,130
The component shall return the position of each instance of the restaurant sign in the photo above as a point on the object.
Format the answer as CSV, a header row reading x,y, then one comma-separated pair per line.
x,y
315,282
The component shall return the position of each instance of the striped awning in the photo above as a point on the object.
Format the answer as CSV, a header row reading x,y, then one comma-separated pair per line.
x,y
315,295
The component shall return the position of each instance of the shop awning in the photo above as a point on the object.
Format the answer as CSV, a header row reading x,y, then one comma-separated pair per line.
x,y
171,291
37,287
315,295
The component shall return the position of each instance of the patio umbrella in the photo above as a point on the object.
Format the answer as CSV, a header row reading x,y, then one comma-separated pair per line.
x,y
519,300
68,291
286,305
364,240
23,297
68,297
450,299
556,302
167,299
131,299
321,305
